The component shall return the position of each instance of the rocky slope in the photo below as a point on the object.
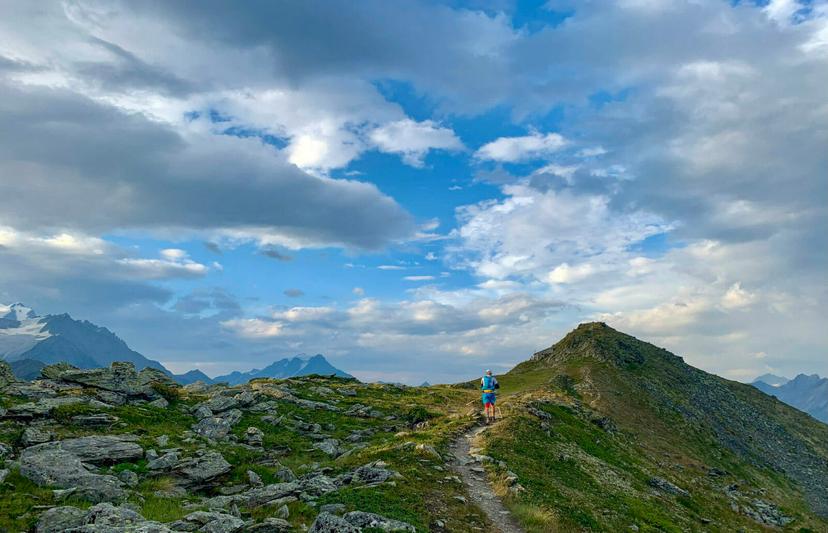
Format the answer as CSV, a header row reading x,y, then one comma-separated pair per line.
x,y
115,449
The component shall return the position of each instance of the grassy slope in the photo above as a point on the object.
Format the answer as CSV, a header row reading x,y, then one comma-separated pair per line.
x,y
579,477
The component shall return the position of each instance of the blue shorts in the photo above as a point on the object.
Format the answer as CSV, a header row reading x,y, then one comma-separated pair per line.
x,y
488,398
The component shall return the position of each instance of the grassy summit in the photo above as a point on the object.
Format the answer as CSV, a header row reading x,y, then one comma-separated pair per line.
x,y
601,432
600,420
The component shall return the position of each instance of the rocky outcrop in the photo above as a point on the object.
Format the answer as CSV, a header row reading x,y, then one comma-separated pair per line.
x,y
59,519
49,465
101,518
197,471
120,378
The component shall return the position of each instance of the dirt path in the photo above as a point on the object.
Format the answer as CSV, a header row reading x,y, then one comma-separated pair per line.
x,y
474,477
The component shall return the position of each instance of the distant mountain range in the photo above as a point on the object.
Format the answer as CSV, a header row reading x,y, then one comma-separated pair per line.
x,y
26,336
28,342
806,393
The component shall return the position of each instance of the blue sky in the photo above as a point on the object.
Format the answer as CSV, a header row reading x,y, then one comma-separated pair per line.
x,y
420,190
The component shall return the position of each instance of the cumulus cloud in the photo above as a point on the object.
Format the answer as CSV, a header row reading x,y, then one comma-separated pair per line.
x,y
412,140
517,149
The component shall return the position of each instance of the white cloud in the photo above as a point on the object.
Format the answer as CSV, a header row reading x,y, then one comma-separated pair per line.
x,y
517,149
736,297
418,278
253,328
412,140
564,273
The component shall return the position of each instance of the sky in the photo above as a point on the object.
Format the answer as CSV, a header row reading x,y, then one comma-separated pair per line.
x,y
420,190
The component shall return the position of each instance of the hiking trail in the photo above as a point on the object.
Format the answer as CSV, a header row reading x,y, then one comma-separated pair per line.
x,y
474,477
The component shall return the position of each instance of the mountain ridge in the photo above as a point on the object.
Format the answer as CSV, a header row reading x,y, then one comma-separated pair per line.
x,y
808,393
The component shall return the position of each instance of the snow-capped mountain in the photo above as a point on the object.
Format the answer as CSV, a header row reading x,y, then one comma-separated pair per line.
x,y
24,335
286,368
29,341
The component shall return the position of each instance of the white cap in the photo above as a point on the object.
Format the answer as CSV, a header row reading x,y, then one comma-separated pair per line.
x,y
488,371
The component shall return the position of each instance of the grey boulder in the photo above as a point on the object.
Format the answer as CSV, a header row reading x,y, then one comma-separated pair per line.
x,y
50,465
361,519
59,519
328,523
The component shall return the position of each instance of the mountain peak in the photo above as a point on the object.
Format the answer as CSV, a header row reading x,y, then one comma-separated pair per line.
x,y
19,311
597,340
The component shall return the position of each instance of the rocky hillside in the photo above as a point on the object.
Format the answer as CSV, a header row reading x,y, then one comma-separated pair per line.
x,y
600,432
606,433
119,450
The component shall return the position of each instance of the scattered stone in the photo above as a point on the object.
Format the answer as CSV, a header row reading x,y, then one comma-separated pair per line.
x,y
333,508
161,403
104,449
128,477
217,404
254,479
427,449
328,523
202,411
210,522
254,436
200,470
165,462
34,435
329,446
370,474
285,474
217,427
95,420
162,440
665,486
4,472
269,525
59,519
362,519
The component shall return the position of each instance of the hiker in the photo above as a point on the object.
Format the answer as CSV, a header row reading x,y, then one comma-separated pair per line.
x,y
488,384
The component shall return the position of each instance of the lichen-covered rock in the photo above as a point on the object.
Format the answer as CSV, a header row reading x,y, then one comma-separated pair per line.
x,y
104,449
95,420
201,470
42,407
161,403
269,525
120,377
217,427
370,474
329,446
254,436
209,522
362,519
49,465
128,477
59,519
328,523
35,435
165,462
